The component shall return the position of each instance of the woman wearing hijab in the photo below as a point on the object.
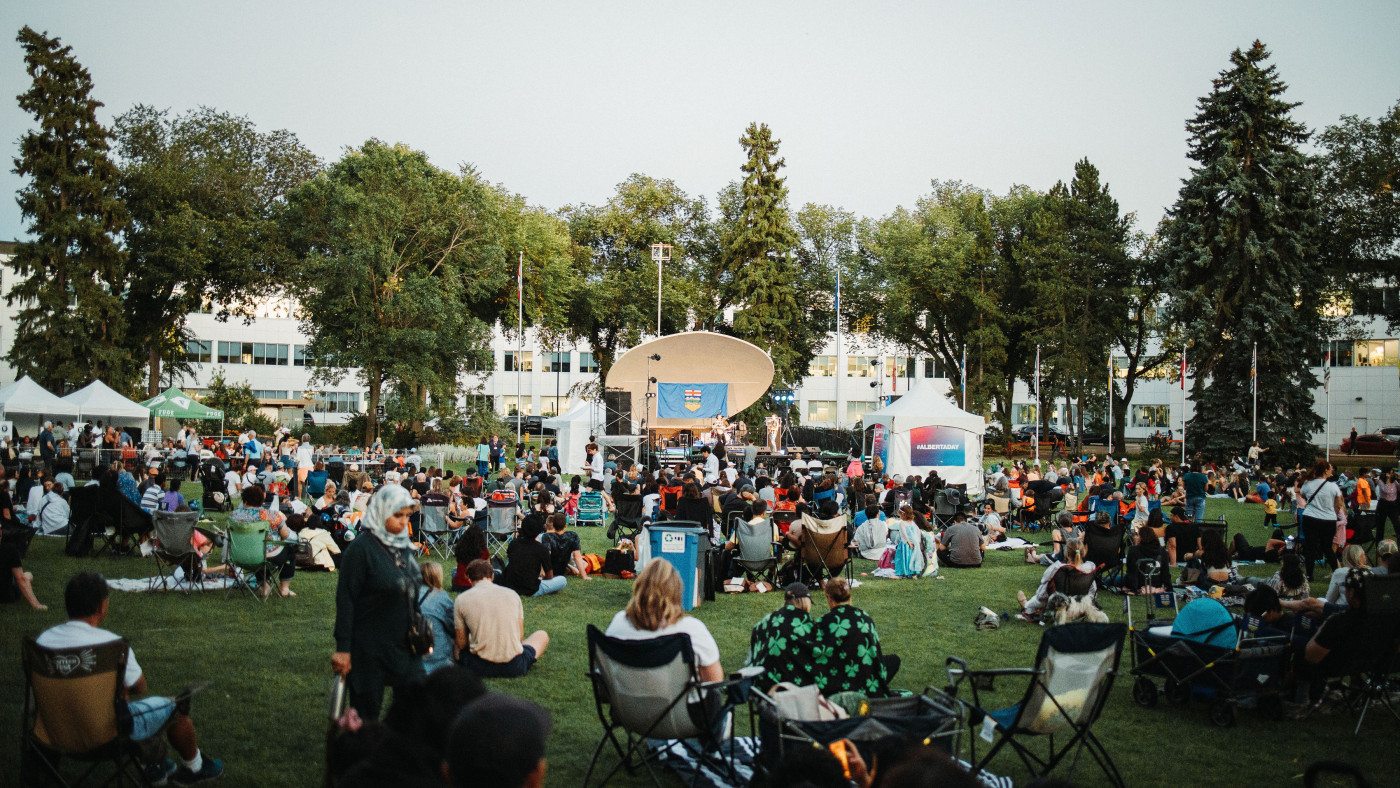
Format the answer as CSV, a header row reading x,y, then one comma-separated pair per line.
x,y
373,601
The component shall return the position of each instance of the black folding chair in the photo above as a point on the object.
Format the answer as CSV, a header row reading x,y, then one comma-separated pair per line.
x,y
651,690
628,517
1073,675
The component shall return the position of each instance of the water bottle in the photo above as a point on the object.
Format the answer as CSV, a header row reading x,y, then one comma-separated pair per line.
x,y
1288,543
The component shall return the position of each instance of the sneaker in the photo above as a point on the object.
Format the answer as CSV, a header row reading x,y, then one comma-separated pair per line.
x,y
213,767
158,773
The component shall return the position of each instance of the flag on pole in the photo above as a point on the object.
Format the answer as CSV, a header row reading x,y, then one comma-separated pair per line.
x,y
1327,372
838,295
1254,370
1183,370
964,378
520,280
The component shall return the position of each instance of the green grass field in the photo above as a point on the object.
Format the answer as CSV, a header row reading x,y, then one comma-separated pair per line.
x,y
268,667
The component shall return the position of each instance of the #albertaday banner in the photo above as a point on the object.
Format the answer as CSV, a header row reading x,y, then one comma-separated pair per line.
x,y
692,400
937,446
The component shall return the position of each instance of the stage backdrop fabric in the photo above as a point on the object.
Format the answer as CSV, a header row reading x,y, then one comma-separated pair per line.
x,y
692,400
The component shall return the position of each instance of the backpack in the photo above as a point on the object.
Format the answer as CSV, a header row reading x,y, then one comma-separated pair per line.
x,y
618,561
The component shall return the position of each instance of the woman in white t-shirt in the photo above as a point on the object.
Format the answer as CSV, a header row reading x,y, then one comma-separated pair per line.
x,y
1318,520
655,610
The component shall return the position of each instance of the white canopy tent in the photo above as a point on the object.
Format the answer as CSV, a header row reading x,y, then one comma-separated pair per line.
x,y
571,429
924,431
25,397
98,399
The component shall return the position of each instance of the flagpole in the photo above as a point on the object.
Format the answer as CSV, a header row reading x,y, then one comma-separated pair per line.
x,y
1327,390
519,341
964,377
1110,404
1183,406
836,357
1254,380
1037,404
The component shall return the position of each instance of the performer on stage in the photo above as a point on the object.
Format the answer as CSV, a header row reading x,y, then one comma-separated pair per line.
x,y
773,425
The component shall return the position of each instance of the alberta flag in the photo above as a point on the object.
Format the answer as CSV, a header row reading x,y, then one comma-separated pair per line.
x,y
692,400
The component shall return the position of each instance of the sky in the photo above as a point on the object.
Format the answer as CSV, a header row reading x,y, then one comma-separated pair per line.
x,y
561,101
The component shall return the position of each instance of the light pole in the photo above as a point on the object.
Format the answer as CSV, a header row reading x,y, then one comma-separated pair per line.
x,y
661,254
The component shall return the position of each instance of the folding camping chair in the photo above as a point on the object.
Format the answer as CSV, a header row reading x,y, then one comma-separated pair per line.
x,y
174,550
1073,674
651,689
1371,667
591,510
628,518
755,542
824,549
1105,548
436,535
670,497
74,708
946,503
246,548
502,521
87,515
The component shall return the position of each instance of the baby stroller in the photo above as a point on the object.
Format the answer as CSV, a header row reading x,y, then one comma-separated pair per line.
x,y
799,718
215,497
1203,653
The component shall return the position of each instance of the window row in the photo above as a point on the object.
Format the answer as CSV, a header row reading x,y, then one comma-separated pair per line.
x,y
336,402
824,411
870,367
203,351
524,361
1360,353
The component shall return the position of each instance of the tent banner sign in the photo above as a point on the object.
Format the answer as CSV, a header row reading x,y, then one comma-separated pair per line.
x,y
937,446
692,400
880,446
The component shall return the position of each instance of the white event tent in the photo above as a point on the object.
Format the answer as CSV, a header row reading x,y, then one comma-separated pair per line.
x,y
571,429
924,431
98,399
25,397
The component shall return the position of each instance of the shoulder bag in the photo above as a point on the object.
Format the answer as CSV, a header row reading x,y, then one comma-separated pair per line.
x,y
420,629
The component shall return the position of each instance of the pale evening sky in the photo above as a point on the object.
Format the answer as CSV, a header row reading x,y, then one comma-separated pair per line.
x,y
560,101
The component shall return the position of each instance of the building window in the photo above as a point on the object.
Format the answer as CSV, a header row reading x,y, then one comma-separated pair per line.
x,y
229,353
854,410
1376,353
553,406
586,363
269,355
859,367
933,368
269,394
299,357
820,410
556,362
508,404
527,361
336,402
822,367
198,351
899,367
1152,416
1024,414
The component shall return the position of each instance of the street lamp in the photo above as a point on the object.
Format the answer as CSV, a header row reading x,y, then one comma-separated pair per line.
x,y
660,254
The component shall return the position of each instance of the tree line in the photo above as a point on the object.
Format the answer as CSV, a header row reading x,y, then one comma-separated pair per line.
x,y
401,269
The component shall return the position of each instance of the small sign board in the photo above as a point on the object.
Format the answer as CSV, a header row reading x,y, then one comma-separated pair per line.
x,y
672,543
7,430
152,437
379,411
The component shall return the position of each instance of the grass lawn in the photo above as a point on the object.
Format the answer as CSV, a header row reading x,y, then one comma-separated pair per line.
x,y
269,672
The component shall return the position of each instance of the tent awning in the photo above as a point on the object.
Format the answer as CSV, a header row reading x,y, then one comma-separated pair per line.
x,y
176,404
24,396
98,399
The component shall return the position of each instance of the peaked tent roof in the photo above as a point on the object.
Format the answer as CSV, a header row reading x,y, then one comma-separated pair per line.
x,y
176,404
925,405
26,396
98,399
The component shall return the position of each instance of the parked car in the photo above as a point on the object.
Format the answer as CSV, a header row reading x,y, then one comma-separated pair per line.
x,y
1026,434
1391,433
530,425
1373,443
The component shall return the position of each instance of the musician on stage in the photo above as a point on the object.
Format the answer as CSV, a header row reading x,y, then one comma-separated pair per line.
x,y
773,425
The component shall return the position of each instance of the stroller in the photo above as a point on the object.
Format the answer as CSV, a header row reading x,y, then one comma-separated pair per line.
x,y
211,477
1202,652
806,720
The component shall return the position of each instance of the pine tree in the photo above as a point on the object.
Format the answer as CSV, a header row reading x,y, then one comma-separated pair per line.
x,y
70,322
1241,242
758,259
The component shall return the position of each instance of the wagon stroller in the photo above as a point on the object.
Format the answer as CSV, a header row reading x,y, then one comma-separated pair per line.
x,y
1202,652
799,722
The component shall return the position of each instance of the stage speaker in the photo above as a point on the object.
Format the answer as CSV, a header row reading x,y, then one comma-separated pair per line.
x,y
618,407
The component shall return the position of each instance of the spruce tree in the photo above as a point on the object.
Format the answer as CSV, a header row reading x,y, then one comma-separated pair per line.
x,y
68,273
758,259
1241,243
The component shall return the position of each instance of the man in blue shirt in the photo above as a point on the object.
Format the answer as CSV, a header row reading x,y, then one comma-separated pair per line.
x,y
1195,484
252,450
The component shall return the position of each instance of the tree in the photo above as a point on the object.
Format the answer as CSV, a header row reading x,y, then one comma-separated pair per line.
x,y
757,261
70,325
202,191
237,401
394,253
1359,173
1240,242
612,302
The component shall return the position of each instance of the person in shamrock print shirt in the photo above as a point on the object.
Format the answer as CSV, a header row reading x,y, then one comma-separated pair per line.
x,y
783,643
848,657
